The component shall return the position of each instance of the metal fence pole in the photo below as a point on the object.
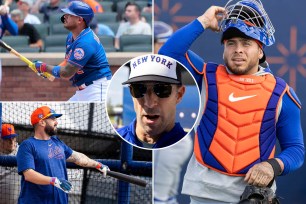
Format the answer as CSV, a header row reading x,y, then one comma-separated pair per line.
x,y
126,158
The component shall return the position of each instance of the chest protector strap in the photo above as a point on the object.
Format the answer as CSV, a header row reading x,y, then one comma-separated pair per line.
x,y
238,126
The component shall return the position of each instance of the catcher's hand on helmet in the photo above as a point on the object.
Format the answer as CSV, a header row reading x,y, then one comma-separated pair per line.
x,y
258,195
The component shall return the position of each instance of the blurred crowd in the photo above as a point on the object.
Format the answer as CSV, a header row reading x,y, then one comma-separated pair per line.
x,y
38,20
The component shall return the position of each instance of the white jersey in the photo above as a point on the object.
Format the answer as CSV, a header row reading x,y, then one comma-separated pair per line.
x,y
93,92
168,164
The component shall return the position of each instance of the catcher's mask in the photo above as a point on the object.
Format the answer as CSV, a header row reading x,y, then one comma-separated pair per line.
x,y
247,19
258,195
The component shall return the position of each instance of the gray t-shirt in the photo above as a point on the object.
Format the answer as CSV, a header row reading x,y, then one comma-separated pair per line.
x,y
138,28
9,182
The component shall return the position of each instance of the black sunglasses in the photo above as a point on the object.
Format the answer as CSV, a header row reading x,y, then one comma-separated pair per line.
x,y
161,90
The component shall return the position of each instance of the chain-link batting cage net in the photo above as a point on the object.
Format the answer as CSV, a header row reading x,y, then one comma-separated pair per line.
x,y
85,128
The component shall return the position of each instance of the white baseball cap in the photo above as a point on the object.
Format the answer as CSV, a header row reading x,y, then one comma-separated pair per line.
x,y
29,2
154,67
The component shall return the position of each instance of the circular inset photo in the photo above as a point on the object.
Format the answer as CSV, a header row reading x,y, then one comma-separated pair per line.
x,y
153,101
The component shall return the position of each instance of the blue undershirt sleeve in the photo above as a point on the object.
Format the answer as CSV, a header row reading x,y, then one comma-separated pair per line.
x,y
290,136
178,45
9,25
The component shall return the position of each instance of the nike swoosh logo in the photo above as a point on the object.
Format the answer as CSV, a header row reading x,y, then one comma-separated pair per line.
x,y
231,97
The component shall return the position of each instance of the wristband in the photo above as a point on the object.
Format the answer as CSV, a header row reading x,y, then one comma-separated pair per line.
x,y
52,180
276,167
43,67
56,71
98,166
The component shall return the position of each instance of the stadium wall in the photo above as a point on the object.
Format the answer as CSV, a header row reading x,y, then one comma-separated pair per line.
x,y
19,83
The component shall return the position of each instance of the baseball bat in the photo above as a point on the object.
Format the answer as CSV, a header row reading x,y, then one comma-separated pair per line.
x,y
126,178
24,59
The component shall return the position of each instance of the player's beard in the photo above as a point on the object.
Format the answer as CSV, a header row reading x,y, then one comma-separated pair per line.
x,y
50,130
70,27
237,70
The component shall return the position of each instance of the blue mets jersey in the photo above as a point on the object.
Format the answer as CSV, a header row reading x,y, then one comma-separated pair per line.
x,y
7,23
47,157
167,139
87,53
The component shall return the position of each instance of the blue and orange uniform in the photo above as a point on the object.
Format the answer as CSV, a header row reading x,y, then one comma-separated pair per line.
x,y
166,139
243,115
87,53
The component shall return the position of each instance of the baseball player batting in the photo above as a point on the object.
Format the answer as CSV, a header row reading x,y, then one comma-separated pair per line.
x,y
245,107
41,161
85,63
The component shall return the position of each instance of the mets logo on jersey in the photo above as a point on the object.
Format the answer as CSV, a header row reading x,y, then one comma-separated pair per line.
x,y
78,53
55,152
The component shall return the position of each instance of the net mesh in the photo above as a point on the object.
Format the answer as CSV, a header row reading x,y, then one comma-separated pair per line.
x,y
85,128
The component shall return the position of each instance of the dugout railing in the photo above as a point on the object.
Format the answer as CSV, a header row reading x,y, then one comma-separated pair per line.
x,y
104,146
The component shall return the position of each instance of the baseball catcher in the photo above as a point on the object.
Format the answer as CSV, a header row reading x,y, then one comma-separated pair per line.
x,y
245,107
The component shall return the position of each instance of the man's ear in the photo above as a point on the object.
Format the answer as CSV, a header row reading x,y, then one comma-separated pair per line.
x,y
41,123
261,53
180,93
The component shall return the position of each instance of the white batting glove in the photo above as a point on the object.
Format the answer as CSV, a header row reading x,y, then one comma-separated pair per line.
x,y
62,184
4,10
102,168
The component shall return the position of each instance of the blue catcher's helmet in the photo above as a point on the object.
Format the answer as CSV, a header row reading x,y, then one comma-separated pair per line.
x,y
79,8
250,18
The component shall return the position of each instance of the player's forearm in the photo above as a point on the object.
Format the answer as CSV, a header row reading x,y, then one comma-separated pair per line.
x,y
10,25
82,160
290,136
117,46
64,72
33,176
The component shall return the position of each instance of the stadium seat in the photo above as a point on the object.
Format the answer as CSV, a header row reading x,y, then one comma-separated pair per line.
x,y
40,16
16,42
27,49
148,17
106,17
58,29
55,43
136,43
107,5
108,43
43,29
55,19
114,26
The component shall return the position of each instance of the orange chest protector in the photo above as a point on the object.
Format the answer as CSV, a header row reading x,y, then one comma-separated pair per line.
x,y
238,126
